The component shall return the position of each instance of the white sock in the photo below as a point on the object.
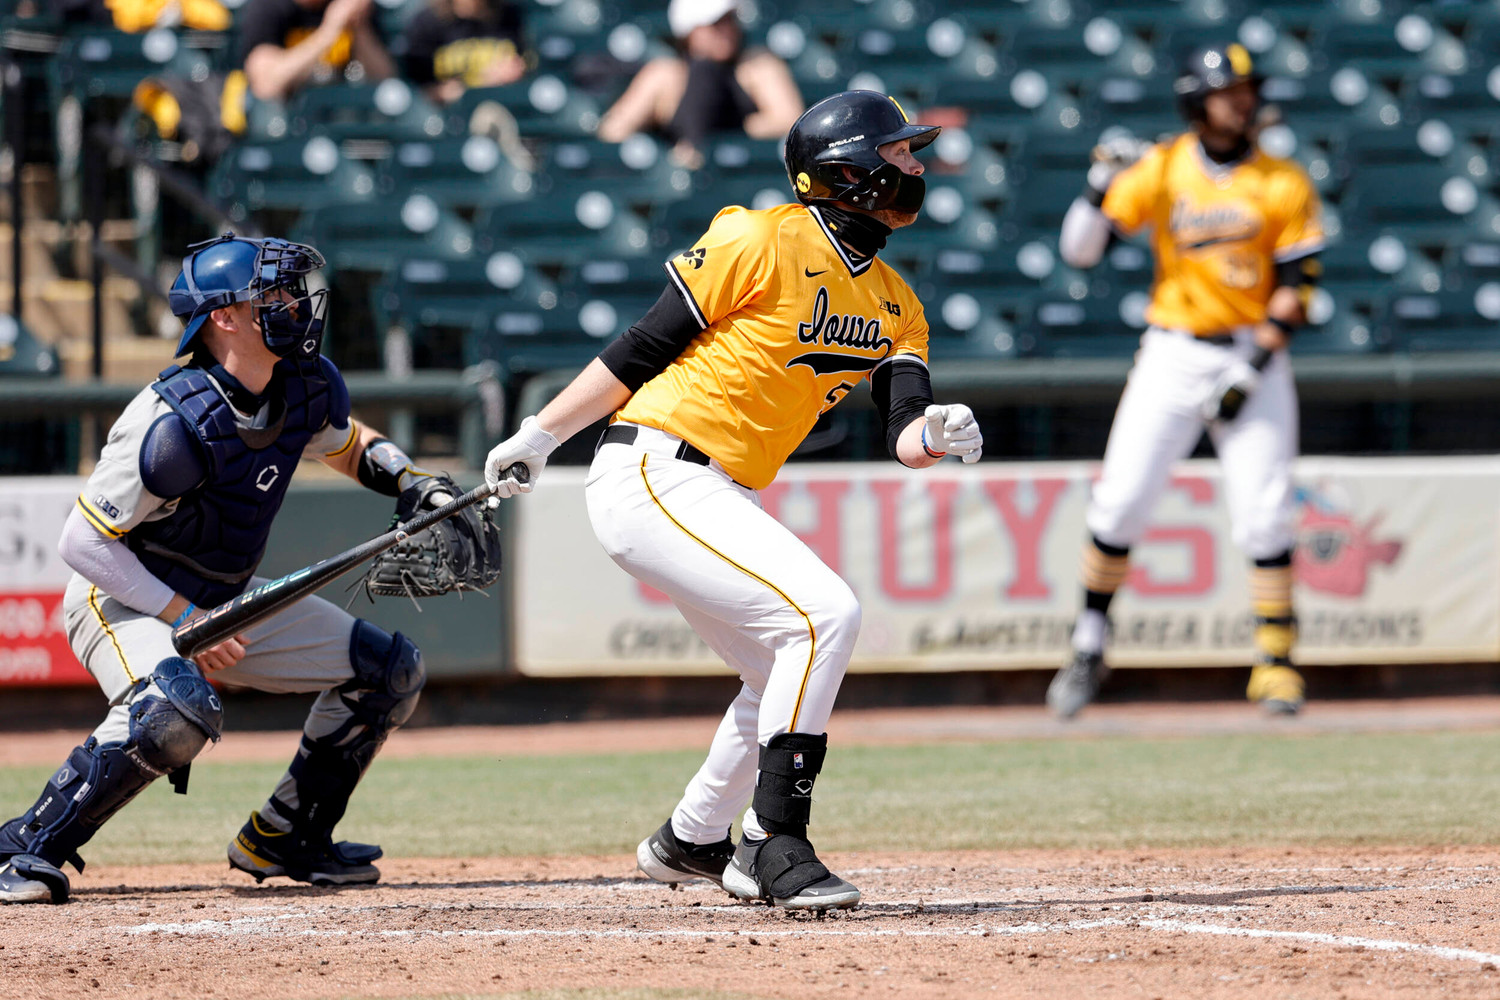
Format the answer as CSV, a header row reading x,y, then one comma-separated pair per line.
x,y
1088,631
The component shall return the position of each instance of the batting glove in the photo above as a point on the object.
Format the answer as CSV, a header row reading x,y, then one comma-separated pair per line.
x,y
952,430
1112,156
528,446
1230,392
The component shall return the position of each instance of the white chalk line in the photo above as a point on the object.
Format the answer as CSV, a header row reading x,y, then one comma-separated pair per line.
x,y
265,926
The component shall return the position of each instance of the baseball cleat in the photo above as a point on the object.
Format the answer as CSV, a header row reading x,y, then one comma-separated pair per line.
x,y
785,871
1075,685
1279,690
26,878
262,851
665,858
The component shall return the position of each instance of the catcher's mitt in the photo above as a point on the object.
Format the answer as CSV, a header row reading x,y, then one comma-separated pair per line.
x,y
461,552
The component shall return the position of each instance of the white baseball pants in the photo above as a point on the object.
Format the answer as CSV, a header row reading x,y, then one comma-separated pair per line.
x,y
1159,421
756,594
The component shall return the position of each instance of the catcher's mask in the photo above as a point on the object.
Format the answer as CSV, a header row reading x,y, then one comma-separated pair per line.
x,y
839,138
1210,69
232,269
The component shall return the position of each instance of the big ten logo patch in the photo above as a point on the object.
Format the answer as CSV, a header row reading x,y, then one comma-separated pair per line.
x,y
890,307
103,503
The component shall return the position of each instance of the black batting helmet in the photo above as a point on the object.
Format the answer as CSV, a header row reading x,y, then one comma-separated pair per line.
x,y
1214,67
846,131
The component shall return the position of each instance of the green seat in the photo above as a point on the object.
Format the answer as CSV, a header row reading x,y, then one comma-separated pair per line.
x,y
1427,205
1375,48
1028,101
459,173
675,226
1465,102
21,354
619,278
637,173
1087,327
1459,320
102,62
543,106
524,339
1344,98
1143,104
1075,52
354,237
563,232
389,111
435,300
288,176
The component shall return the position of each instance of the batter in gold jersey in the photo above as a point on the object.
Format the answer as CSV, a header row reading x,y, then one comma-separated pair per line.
x,y
768,320
1235,234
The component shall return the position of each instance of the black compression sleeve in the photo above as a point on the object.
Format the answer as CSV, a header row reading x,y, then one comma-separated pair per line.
x,y
902,391
656,340
381,465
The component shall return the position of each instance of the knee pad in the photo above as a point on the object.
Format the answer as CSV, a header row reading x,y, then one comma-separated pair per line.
x,y
168,731
789,766
388,676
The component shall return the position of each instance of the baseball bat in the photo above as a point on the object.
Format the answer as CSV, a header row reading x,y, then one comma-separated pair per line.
x,y
256,605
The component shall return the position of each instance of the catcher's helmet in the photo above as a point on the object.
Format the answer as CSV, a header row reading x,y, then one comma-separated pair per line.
x,y
1215,67
233,268
846,131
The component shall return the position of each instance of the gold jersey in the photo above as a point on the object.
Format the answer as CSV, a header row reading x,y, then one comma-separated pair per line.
x,y
791,323
1218,231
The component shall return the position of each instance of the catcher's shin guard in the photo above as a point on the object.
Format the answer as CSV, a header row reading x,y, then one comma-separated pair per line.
x,y
783,868
166,732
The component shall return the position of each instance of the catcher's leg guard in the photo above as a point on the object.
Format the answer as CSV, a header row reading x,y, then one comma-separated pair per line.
x,y
784,868
388,678
165,733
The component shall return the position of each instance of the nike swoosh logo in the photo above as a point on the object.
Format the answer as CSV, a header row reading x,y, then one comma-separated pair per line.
x,y
1214,241
814,274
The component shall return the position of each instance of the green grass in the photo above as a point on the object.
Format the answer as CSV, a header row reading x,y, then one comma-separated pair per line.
x,y
1416,789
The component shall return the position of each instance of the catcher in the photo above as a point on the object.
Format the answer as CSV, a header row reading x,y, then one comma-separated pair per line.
x,y
173,521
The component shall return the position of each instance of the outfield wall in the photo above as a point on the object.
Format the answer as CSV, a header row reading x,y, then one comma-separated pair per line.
x,y
974,567
958,568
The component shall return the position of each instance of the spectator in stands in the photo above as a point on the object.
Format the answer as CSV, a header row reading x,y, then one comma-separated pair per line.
x,y
287,44
451,45
143,15
714,85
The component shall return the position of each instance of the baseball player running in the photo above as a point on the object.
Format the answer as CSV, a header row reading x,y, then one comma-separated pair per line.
x,y
172,522
769,320
1236,235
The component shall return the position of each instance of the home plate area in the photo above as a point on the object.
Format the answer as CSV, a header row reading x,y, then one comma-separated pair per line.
x,y
1319,922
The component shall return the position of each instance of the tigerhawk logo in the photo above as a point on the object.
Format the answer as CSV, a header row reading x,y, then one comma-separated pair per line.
x,y
861,333
694,257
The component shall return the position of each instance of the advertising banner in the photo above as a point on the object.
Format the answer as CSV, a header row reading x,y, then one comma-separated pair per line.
x,y
975,567
33,646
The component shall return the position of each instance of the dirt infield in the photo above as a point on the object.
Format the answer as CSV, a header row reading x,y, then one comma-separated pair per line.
x,y
1035,924
1325,922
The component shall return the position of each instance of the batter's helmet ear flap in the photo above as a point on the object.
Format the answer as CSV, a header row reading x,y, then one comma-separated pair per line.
x,y
844,133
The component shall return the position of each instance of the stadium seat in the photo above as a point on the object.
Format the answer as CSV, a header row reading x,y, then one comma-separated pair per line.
x,y
1361,270
382,113
435,300
287,176
563,232
524,339
1086,327
617,278
1027,101
730,158
638,173
1047,175
1076,53
1144,105
967,323
951,220
21,354
676,225
1335,328
1386,47
1460,320
102,62
813,62
1468,102
354,237
1338,99
1428,205
1301,15
460,173
543,106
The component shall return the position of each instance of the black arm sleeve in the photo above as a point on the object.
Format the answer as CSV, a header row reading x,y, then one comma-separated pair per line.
x,y
902,391
656,340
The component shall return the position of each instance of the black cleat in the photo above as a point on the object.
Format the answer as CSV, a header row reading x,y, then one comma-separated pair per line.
x,y
263,852
664,858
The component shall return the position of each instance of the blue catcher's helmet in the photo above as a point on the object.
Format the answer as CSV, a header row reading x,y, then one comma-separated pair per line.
x,y
231,269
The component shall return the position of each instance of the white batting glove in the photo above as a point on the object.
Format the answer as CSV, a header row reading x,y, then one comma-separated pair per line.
x,y
952,429
529,446
1112,156
1231,391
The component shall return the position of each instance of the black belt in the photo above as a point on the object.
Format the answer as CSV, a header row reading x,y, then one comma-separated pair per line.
x,y
625,434
1217,339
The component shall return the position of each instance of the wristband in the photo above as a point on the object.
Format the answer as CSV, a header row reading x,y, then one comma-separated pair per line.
x,y
926,448
1261,358
1281,325
184,616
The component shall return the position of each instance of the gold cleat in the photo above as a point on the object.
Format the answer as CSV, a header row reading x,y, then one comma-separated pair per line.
x,y
1277,689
